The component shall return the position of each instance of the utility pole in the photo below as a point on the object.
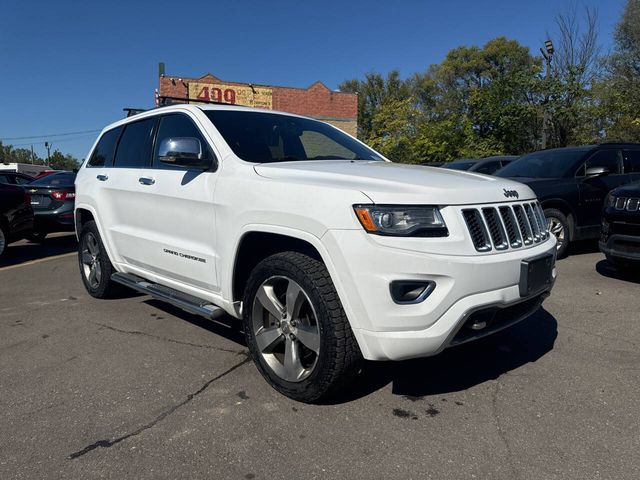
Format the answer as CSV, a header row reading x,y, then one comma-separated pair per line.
x,y
47,145
547,53
32,155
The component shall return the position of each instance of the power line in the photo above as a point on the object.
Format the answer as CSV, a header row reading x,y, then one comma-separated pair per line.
x,y
41,142
51,135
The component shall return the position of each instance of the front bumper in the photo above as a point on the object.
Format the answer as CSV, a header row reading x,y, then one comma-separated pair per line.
x,y
621,246
464,284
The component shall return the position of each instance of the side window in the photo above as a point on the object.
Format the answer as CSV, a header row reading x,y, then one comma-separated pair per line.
x,y
5,179
319,146
632,161
609,158
174,126
134,147
102,156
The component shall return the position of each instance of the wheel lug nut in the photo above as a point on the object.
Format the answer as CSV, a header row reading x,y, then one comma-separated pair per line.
x,y
292,336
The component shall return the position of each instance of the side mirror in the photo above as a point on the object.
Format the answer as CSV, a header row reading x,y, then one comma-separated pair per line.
x,y
182,151
593,172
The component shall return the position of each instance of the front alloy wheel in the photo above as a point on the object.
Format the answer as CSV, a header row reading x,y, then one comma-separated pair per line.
x,y
296,329
556,227
286,328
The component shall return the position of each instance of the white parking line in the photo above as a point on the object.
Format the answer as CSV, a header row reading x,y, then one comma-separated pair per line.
x,y
39,260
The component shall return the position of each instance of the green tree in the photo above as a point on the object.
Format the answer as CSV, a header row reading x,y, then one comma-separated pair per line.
x,y
59,161
619,91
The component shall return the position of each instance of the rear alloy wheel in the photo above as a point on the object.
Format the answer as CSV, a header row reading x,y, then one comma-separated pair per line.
x,y
558,225
3,240
296,329
95,266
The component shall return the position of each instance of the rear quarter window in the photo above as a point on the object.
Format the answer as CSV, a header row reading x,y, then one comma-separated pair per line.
x,y
102,156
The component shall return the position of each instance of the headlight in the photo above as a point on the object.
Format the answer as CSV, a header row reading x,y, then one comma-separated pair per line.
x,y
402,220
611,200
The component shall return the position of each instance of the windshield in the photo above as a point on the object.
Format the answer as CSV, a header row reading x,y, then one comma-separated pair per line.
x,y
544,164
270,137
459,165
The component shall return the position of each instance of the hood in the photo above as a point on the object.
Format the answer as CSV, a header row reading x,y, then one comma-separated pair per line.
x,y
386,182
631,190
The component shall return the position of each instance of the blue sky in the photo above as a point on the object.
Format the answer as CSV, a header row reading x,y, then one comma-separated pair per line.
x,y
71,66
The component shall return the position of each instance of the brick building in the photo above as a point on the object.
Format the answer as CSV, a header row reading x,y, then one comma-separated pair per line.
x,y
317,101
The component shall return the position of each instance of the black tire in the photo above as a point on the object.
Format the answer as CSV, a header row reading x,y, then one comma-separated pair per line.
x,y
103,287
338,357
556,217
37,236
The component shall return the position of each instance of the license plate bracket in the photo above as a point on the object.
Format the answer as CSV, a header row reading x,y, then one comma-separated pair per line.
x,y
536,274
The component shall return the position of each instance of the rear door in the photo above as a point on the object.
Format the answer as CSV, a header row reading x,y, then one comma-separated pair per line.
x,y
176,214
120,193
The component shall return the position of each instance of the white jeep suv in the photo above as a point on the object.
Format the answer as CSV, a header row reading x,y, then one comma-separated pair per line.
x,y
327,251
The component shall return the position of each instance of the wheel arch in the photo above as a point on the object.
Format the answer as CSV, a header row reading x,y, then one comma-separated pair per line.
x,y
256,244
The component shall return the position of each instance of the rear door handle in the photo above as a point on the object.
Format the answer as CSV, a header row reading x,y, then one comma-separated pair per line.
x,y
146,181
102,178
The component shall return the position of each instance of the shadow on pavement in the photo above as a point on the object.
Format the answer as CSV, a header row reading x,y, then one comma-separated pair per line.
x,y
25,251
583,247
604,268
226,326
461,367
453,370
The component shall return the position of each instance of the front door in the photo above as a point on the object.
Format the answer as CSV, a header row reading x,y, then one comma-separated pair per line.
x,y
176,213
594,190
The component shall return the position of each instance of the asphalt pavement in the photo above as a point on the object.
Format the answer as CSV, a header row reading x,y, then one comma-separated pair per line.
x,y
133,388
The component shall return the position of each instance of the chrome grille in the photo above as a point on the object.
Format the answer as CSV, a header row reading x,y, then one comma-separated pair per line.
x,y
629,204
508,226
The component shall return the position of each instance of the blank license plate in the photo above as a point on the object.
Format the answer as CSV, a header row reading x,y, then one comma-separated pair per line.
x,y
536,275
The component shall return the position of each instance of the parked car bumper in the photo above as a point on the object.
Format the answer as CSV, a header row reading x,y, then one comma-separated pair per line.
x,y
467,287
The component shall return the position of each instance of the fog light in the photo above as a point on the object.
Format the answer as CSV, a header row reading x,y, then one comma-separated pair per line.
x,y
410,291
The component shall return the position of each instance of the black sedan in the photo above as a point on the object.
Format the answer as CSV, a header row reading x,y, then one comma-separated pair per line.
x,y
620,236
14,178
52,199
16,215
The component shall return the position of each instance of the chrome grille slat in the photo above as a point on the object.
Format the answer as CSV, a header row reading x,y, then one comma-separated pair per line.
x,y
477,229
511,227
523,223
496,230
633,204
506,227
532,222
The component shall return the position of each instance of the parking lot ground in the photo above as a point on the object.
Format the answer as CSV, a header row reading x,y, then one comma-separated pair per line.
x,y
132,388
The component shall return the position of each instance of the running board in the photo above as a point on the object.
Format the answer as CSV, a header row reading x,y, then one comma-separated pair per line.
x,y
166,294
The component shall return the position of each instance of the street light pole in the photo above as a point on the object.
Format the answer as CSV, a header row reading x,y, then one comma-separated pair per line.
x,y
47,145
547,53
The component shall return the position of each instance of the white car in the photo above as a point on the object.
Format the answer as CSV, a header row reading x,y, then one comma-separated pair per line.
x,y
327,251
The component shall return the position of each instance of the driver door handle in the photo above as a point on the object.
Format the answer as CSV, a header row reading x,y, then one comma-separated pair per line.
x,y
102,178
146,181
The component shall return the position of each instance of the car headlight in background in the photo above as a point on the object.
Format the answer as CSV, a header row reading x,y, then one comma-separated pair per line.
x,y
610,201
402,220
